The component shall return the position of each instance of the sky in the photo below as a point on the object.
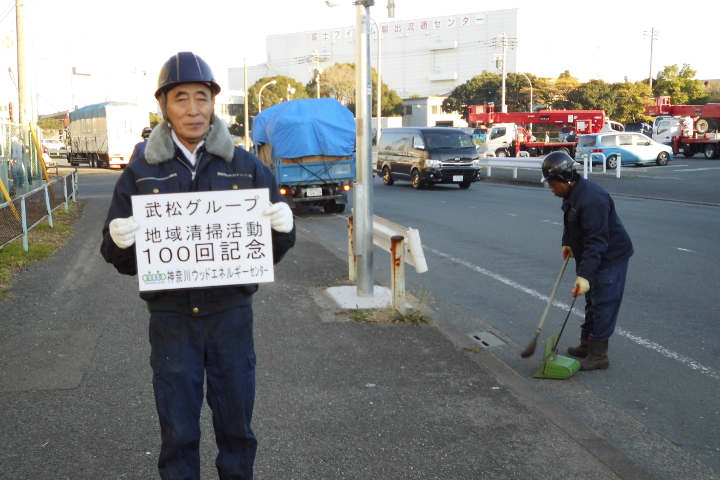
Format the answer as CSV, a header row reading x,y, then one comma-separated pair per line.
x,y
122,45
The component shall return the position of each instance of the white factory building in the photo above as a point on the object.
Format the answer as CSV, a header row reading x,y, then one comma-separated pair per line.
x,y
422,57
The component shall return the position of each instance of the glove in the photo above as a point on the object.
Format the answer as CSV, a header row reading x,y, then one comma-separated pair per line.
x,y
122,231
581,287
567,252
281,218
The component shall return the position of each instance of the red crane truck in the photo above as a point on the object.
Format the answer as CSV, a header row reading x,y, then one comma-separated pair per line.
x,y
685,127
506,138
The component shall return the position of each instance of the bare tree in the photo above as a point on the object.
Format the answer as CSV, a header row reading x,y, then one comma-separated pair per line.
x,y
338,82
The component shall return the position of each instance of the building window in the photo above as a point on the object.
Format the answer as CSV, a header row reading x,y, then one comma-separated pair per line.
x,y
235,108
408,109
436,110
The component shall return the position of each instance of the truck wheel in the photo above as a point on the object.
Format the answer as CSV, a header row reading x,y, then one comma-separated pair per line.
x,y
710,151
501,152
91,161
387,178
612,162
416,180
564,150
339,207
329,207
662,159
702,126
464,185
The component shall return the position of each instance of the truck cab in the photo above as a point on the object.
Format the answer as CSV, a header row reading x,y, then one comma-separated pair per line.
x,y
500,139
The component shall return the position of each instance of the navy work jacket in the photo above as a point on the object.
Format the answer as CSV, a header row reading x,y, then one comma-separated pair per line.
x,y
593,229
172,173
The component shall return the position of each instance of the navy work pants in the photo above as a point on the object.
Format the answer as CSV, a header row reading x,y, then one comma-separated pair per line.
x,y
184,349
602,302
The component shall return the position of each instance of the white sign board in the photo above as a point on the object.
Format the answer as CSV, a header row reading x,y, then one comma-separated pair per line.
x,y
203,239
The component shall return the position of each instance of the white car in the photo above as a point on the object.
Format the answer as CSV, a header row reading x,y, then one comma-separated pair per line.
x,y
55,147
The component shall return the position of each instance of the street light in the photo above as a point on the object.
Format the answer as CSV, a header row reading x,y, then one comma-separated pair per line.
x,y
72,86
290,91
272,82
532,109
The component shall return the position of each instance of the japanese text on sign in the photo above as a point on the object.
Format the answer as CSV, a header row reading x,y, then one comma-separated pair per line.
x,y
203,239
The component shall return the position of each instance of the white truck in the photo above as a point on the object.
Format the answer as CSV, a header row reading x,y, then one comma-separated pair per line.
x,y
104,134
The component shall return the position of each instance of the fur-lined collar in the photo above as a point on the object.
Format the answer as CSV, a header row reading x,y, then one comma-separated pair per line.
x,y
161,148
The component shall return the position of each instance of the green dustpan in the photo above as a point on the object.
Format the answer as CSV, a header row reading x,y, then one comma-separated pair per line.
x,y
554,365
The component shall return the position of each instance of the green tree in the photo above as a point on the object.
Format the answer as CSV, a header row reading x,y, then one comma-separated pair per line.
x,y
479,90
271,95
50,126
630,102
155,120
681,85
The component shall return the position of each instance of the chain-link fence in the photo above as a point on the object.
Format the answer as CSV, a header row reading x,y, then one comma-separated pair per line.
x,y
20,169
20,215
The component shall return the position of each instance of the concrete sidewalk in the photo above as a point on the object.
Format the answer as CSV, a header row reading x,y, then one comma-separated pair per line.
x,y
335,400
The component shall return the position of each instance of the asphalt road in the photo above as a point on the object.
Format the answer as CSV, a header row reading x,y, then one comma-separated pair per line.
x,y
493,253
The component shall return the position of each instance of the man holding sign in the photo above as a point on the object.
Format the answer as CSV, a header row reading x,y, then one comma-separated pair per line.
x,y
200,314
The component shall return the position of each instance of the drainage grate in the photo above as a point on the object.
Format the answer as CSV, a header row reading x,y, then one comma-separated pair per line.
x,y
486,339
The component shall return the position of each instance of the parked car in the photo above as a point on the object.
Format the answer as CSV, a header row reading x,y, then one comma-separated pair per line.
x,y
427,156
634,149
638,127
54,147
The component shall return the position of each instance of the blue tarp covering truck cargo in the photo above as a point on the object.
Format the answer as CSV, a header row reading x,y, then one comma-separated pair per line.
x,y
309,144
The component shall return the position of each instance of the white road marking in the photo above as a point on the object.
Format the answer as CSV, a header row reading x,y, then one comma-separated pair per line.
x,y
686,250
511,214
688,362
698,169
550,221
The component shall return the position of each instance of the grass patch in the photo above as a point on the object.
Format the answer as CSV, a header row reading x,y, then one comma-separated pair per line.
x,y
42,242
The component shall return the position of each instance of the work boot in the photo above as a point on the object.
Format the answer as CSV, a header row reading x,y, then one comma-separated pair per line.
x,y
581,351
597,358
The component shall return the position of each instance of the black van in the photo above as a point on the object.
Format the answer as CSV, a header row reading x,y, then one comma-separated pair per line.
x,y
427,156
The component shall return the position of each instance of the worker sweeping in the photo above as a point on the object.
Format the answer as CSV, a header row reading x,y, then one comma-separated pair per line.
x,y
595,237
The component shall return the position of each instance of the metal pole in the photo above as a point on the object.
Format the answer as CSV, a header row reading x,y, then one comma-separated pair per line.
x,y
246,109
397,249
23,98
531,95
363,194
352,259
379,85
49,207
23,211
652,40
504,46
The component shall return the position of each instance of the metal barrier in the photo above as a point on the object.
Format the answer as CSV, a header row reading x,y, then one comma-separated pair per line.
x,y
587,163
398,241
20,215
533,163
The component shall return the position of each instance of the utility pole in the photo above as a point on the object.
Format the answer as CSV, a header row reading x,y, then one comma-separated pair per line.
x,y
317,71
504,42
23,97
652,34
363,201
246,110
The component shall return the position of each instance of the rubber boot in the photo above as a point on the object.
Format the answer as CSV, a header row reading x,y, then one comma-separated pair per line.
x,y
581,351
597,358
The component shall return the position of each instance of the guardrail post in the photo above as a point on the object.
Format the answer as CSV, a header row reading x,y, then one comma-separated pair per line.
x,y
585,165
397,255
23,212
617,170
489,174
352,259
67,207
515,172
48,206
75,184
